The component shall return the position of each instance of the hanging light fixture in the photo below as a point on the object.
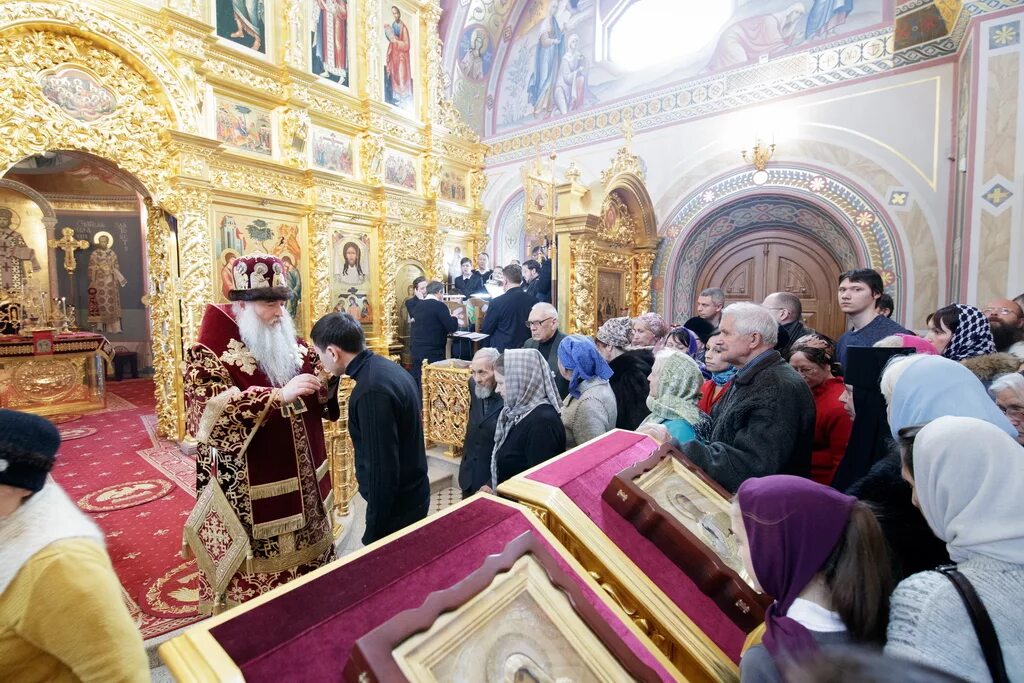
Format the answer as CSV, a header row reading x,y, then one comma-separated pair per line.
x,y
759,157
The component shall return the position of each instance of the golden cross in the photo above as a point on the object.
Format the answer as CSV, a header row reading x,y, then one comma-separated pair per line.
x,y
69,245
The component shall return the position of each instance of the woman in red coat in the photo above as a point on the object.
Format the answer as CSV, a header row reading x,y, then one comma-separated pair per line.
x,y
812,356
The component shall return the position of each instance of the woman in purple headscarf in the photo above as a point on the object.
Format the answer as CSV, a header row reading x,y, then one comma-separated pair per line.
x,y
822,556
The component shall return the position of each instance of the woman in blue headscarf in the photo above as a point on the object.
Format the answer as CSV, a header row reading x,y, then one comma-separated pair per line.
x,y
922,388
589,410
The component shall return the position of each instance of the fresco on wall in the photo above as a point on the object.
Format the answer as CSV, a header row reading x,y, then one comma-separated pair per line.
x,y
476,53
329,40
242,22
332,151
550,69
398,65
245,127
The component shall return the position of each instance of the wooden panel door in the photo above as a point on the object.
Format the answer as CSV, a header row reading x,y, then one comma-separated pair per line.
x,y
754,266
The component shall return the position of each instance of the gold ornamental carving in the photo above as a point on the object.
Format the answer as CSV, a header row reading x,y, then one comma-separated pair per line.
x,y
641,289
33,124
163,308
371,158
446,404
477,185
320,262
48,380
431,166
371,62
340,451
617,224
191,206
294,131
583,318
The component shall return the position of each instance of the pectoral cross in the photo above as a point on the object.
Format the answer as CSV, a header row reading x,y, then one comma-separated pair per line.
x,y
68,244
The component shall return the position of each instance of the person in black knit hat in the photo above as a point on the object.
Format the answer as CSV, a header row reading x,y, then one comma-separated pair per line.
x,y
55,576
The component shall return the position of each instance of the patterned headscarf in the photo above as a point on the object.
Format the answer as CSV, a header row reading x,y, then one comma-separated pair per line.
x,y
973,336
616,332
678,389
528,385
658,327
578,354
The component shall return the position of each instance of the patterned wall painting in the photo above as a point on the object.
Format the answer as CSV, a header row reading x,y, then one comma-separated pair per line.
x,y
552,69
329,40
452,186
476,53
399,46
400,170
245,127
331,151
351,273
239,234
243,22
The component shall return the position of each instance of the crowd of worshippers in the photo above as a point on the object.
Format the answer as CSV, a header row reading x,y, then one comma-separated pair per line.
x,y
860,465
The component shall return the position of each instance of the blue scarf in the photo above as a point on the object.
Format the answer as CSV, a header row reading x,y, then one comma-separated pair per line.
x,y
724,377
579,354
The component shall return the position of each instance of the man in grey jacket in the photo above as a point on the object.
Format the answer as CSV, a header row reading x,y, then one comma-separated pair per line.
x,y
765,423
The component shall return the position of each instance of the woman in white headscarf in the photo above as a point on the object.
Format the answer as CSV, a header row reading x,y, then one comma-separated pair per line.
x,y
530,428
968,479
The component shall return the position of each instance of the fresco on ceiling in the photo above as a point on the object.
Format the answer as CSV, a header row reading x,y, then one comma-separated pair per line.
x,y
551,69
476,53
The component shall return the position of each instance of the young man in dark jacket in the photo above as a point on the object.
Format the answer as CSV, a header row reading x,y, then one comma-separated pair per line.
x,y
384,422
765,423
507,314
434,322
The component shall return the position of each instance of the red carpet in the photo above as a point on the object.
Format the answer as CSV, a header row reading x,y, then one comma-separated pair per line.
x,y
139,490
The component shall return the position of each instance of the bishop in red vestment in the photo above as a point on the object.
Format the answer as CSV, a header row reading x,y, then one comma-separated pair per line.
x,y
254,404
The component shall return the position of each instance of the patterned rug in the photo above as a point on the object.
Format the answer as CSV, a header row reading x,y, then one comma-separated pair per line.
x,y
72,433
139,489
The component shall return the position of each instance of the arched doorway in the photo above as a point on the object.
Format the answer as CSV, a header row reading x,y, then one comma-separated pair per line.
x,y
778,260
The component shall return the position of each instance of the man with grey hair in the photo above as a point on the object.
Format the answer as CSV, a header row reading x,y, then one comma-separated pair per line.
x,y
1008,392
709,305
545,337
788,312
765,422
484,407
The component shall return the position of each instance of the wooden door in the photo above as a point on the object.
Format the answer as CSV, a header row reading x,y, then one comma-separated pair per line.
x,y
755,265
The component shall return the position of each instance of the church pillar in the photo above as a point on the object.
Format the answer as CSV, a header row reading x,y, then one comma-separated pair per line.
x,y
163,311
190,204
320,263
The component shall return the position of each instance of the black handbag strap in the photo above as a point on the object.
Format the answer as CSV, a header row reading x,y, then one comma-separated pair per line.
x,y
983,627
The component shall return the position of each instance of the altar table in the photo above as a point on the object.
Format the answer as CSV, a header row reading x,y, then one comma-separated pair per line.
x,y
566,494
71,378
306,630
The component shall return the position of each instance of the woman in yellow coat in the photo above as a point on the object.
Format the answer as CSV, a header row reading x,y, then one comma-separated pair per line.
x,y
61,613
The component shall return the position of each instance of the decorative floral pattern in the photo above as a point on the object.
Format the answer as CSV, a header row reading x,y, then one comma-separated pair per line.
x,y
238,354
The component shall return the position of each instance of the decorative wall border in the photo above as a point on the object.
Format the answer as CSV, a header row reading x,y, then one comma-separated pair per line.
x,y
691,233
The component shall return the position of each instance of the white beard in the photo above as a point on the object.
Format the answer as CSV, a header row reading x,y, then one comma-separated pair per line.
x,y
273,347
483,392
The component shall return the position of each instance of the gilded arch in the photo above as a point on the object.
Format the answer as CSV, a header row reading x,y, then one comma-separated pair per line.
x,y
142,102
827,200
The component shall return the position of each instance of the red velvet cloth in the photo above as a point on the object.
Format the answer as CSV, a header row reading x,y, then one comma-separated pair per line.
x,y
308,634
583,476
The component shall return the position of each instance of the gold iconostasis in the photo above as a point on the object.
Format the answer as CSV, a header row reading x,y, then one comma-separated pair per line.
x,y
322,136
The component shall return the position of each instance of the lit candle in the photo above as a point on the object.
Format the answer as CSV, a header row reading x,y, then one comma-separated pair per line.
x,y
63,307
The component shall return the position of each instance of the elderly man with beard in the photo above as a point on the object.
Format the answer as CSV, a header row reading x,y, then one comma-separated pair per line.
x,y
254,405
484,407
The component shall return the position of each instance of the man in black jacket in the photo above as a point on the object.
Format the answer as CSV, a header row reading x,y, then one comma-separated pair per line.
x,y
531,279
469,281
484,406
434,322
545,337
384,423
540,254
765,422
507,314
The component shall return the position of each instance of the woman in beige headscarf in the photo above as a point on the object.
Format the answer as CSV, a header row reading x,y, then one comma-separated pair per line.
x,y
675,389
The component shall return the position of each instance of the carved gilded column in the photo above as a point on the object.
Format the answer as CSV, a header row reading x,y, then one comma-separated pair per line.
x,y
371,158
583,318
641,291
295,37
392,235
191,208
294,132
372,65
163,307
432,55
431,175
320,263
